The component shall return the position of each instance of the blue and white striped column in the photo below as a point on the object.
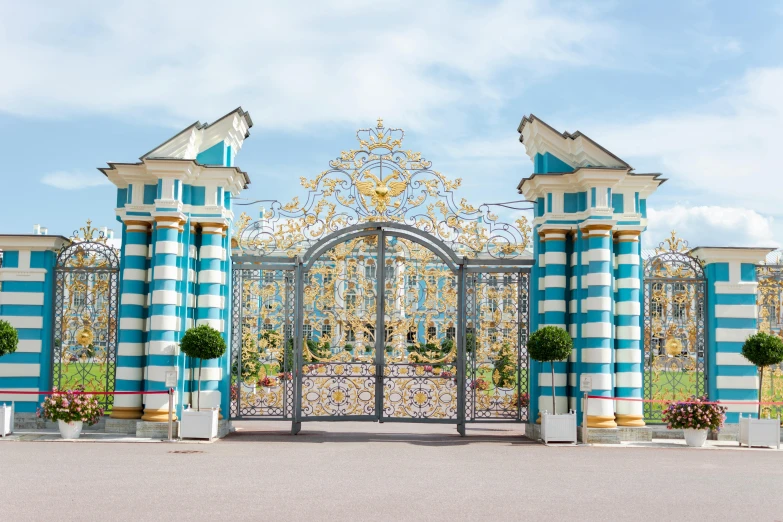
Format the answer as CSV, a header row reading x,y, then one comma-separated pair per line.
x,y
553,306
190,268
211,304
732,317
628,331
577,293
597,339
165,317
132,314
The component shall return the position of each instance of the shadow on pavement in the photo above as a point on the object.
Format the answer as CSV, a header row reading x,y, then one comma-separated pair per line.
x,y
373,432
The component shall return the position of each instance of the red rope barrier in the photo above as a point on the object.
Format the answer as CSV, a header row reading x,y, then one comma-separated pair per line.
x,y
629,399
20,392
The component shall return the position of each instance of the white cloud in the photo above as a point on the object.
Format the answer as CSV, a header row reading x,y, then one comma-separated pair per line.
x,y
710,226
74,180
291,65
726,151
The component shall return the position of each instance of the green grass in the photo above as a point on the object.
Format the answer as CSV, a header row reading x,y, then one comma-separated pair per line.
x,y
73,374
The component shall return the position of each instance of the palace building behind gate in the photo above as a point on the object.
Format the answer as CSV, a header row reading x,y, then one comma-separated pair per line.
x,y
383,293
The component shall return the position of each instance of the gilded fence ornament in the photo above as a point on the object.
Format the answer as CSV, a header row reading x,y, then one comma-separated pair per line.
x,y
380,181
674,315
85,313
769,297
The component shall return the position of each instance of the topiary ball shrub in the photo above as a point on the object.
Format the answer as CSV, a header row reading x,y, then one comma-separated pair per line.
x,y
202,342
9,339
550,344
763,349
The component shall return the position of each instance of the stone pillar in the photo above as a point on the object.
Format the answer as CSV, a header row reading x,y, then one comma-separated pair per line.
x,y
732,315
628,351
134,289
553,281
597,336
165,321
212,291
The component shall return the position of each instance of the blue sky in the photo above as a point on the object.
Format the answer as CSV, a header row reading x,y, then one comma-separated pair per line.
x,y
691,89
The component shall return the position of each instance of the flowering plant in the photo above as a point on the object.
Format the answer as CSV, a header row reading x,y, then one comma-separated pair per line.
x,y
524,400
446,374
268,382
694,413
479,384
70,406
284,376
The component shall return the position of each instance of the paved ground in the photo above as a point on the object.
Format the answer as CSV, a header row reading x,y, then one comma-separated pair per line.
x,y
372,472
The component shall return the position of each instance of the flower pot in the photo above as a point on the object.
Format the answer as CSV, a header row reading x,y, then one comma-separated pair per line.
x,y
695,438
759,432
70,430
198,424
248,388
558,428
6,419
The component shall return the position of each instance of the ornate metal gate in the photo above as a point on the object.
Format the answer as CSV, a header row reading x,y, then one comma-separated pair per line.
x,y
85,314
769,299
674,343
393,302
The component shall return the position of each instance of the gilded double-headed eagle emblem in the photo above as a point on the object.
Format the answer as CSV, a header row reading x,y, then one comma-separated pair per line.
x,y
381,190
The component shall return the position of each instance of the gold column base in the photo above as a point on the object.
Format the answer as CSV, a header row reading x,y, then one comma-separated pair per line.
x,y
157,416
597,421
126,412
633,421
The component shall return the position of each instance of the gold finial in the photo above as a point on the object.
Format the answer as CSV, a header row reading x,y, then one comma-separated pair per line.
x,y
380,123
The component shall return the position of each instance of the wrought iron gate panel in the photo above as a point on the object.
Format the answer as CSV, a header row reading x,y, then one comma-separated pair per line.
x,y
84,344
262,348
769,299
674,325
382,254
339,305
420,324
497,334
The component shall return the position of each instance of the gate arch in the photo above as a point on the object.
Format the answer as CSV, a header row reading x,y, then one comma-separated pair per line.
x,y
400,303
674,326
84,339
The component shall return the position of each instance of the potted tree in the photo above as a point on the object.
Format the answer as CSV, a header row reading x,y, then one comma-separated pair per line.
x,y
9,340
201,342
696,417
761,349
550,344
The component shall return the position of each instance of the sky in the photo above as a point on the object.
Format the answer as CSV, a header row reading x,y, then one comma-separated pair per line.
x,y
690,89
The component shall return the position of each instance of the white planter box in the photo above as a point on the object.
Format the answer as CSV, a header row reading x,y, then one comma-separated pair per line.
x,y
759,432
6,419
198,424
558,428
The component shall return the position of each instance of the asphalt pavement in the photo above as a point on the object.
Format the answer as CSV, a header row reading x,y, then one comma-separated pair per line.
x,y
379,472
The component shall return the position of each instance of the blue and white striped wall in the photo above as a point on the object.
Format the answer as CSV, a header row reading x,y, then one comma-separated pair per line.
x,y
26,302
732,316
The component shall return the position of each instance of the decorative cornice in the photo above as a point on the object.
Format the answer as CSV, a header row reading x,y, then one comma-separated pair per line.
x,y
577,150
31,242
